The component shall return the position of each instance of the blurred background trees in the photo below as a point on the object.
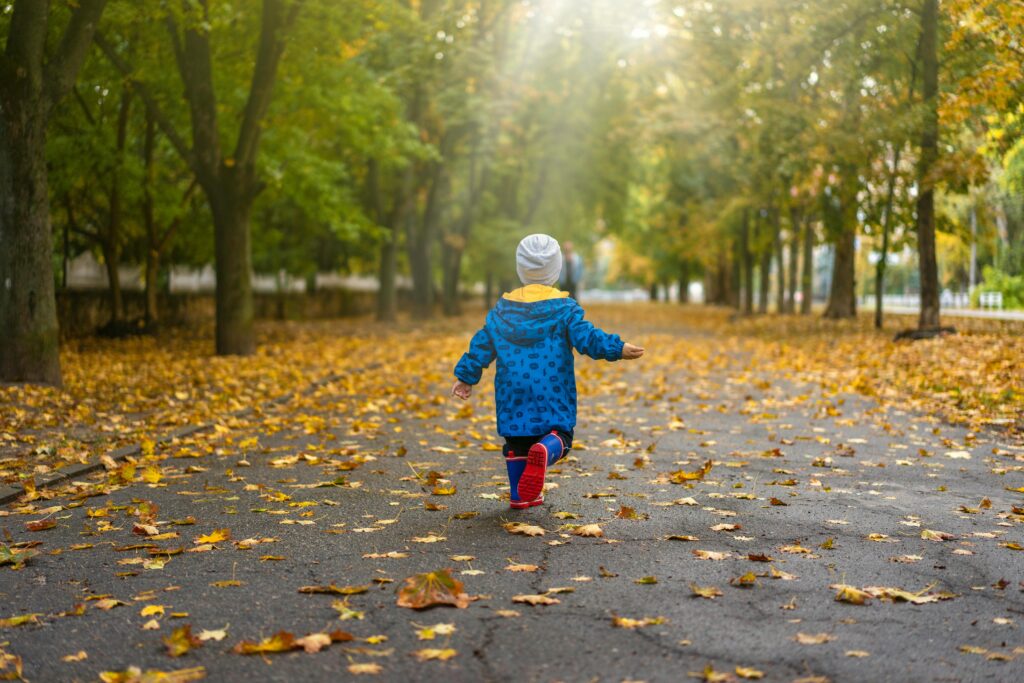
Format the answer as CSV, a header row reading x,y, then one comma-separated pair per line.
x,y
767,153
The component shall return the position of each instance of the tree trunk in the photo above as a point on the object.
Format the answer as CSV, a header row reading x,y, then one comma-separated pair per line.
x,y
111,243
29,345
780,276
842,299
842,296
748,265
766,280
652,292
149,219
29,89
807,273
883,257
794,257
684,283
232,258
387,269
452,267
112,263
929,317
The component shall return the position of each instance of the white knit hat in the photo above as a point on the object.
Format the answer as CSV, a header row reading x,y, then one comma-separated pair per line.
x,y
539,260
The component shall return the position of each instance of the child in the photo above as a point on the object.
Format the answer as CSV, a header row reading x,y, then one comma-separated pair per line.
x,y
532,332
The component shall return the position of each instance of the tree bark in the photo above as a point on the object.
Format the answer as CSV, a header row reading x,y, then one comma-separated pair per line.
x,y
748,265
928,265
765,272
807,273
111,242
232,260
794,258
152,314
842,299
684,282
29,345
883,257
30,86
780,276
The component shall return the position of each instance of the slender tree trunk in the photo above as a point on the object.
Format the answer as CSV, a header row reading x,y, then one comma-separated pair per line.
x,y
652,292
232,256
452,267
29,345
489,290
780,258
929,316
748,265
152,314
794,257
883,257
112,264
807,273
730,279
684,283
111,243
766,280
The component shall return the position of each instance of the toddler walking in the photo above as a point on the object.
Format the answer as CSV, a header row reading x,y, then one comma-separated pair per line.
x,y
532,332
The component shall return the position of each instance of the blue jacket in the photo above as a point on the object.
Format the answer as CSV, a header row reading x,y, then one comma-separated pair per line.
x,y
535,383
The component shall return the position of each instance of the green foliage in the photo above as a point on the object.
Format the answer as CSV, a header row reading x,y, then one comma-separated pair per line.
x,y
995,280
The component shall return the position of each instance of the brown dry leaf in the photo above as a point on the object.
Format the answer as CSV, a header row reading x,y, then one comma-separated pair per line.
x,y
749,673
432,588
214,537
813,638
922,597
747,580
282,641
681,537
522,568
181,641
726,527
850,594
371,668
627,623
77,657
314,642
932,535
523,529
20,620
709,592
682,476
710,555
589,530
428,654
134,674
535,600
41,525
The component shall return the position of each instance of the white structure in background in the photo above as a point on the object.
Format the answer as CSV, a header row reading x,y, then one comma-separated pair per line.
x,y
991,300
85,272
184,279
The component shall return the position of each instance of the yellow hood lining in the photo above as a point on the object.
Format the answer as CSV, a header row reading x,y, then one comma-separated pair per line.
x,y
533,293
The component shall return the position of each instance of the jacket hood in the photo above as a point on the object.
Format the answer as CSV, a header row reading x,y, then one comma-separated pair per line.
x,y
527,323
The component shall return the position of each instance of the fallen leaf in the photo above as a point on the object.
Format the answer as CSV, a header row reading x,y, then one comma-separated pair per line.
x,y
433,588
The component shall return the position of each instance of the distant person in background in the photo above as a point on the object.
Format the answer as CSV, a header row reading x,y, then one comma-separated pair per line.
x,y
572,270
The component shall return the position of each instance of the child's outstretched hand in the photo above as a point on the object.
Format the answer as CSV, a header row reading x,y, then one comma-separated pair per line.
x,y
631,352
462,390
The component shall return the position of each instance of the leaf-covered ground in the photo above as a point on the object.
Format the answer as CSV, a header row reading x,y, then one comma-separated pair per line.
x,y
750,500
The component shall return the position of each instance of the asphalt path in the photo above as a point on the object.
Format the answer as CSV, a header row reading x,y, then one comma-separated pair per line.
x,y
332,477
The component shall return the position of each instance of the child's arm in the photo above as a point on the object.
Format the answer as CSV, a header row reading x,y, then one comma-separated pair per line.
x,y
596,343
472,364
